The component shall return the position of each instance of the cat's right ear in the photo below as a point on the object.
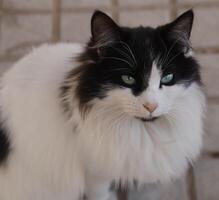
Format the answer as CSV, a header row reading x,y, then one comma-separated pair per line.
x,y
103,29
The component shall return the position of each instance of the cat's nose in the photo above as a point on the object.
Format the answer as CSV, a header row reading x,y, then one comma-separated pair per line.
x,y
151,107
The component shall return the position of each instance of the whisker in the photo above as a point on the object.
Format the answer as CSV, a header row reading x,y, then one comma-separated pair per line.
x,y
104,44
170,119
144,66
172,46
119,118
116,42
123,53
184,39
169,62
168,66
120,59
128,48
165,53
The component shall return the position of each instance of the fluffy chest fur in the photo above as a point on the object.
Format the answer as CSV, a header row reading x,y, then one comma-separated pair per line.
x,y
128,149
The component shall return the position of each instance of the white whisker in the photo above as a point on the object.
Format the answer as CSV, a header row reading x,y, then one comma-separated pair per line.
x,y
123,53
171,48
169,62
116,42
116,58
128,48
165,53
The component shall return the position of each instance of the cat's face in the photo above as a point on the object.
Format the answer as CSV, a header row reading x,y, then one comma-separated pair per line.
x,y
141,72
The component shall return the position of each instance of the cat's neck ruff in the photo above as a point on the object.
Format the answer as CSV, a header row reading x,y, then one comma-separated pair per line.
x,y
125,149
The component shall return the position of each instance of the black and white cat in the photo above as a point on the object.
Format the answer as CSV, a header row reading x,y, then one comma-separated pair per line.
x,y
127,106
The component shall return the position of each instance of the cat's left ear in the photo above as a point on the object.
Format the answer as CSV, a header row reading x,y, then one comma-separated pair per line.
x,y
103,29
181,27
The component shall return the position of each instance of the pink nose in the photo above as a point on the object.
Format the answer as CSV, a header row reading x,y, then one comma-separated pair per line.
x,y
151,107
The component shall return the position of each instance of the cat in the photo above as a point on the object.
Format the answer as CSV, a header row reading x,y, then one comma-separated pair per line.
x,y
127,106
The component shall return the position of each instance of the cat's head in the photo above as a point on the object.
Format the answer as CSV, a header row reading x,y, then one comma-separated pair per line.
x,y
140,72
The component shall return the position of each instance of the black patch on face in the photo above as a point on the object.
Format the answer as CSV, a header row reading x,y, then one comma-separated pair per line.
x,y
4,144
114,51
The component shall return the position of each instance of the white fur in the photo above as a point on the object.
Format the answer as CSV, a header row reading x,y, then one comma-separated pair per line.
x,y
50,161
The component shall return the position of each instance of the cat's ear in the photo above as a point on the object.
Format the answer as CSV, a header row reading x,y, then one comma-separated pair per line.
x,y
183,24
103,29
180,28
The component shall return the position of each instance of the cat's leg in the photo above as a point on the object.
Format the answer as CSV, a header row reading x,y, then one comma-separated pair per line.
x,y
99,190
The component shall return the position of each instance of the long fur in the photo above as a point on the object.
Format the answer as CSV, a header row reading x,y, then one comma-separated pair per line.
x,y
50,161
59,152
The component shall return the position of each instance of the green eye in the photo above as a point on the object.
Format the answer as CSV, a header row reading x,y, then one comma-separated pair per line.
x,y
129,80
166,79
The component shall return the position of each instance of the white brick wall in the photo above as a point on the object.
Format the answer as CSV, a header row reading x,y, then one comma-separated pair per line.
x,y
27,23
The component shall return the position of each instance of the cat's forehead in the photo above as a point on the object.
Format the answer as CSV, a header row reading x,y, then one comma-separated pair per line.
x,y
140,40
139,36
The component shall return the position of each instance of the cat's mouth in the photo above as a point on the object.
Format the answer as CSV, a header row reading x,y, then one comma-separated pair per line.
x,y
150,119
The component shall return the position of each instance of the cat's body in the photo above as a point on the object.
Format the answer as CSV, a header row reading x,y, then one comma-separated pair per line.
x,y
65,143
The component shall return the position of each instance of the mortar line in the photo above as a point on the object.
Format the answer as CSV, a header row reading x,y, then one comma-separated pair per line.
x,y
56,20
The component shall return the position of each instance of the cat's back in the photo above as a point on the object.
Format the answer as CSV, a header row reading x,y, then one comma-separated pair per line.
x,y
30,96
38,74
33,120
34,123
48,62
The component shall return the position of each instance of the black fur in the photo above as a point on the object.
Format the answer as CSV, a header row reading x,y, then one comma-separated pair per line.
x,y
102,64
4,144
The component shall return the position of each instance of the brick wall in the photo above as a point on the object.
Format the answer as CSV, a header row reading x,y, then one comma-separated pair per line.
x,y
28,23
